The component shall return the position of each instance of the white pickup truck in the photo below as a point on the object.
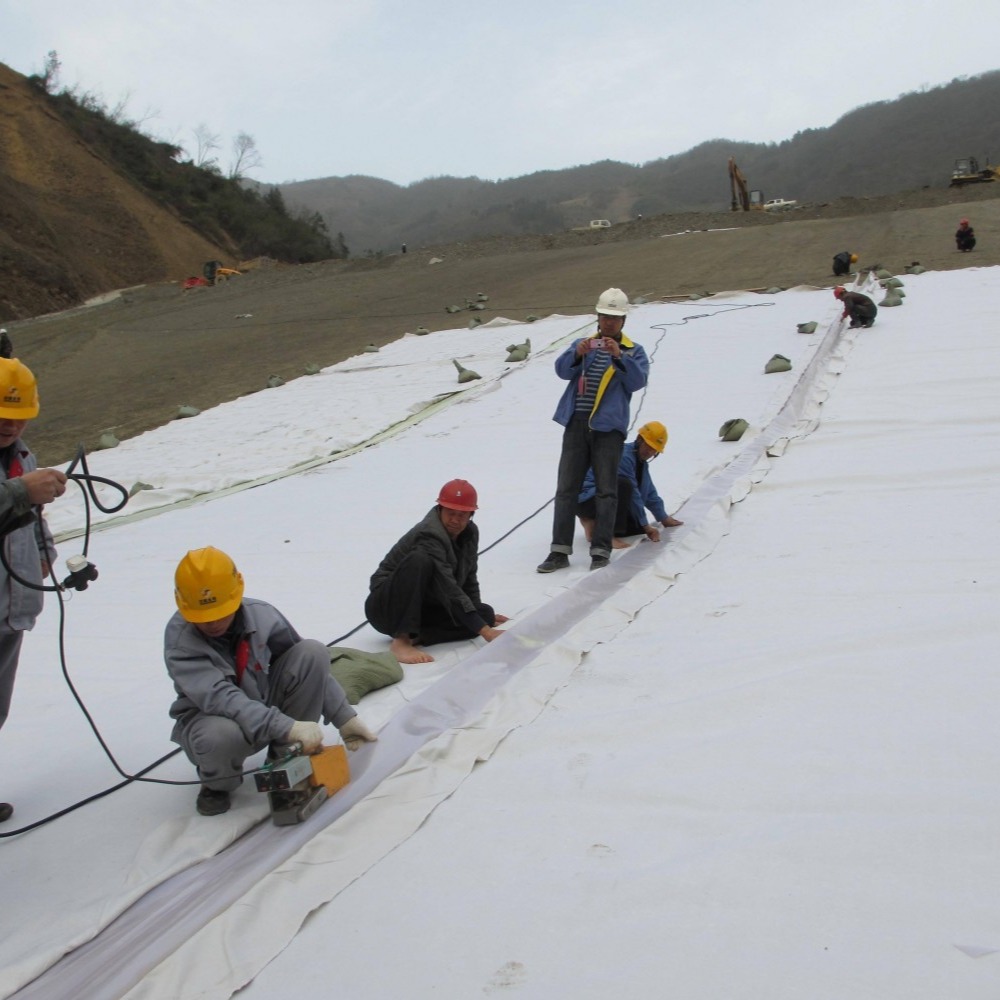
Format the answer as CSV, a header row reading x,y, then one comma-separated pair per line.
x,y
778,205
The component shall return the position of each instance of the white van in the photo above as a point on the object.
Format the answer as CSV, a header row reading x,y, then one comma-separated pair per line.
x,y
600,224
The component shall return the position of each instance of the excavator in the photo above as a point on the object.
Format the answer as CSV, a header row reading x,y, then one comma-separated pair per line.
x,y
967,172
743,198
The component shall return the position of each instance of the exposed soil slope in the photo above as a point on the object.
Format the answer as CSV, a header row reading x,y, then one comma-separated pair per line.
x,y
70,225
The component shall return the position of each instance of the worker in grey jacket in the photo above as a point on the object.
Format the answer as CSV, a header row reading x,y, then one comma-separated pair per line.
x,y
426,589
244,678
27,543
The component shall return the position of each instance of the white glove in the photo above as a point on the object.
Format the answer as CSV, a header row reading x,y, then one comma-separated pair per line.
x,y
354,732
309,734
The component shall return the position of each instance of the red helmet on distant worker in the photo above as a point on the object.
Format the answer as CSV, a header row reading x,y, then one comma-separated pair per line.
x,y
963,222
839,291
458,494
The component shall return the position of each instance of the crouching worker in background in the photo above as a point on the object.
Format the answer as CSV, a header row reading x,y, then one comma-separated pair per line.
x,y
636,492
244,678
965,236
861,310
426,589
842,262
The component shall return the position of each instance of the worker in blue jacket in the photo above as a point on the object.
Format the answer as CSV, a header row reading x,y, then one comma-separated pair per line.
x,y
636,490
602,372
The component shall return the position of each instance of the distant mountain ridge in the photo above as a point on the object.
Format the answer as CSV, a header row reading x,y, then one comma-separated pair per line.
x,y
876,149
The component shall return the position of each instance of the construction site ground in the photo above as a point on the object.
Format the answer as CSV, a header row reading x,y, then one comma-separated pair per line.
x,y
127,363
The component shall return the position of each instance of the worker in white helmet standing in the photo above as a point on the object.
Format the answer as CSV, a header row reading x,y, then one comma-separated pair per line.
x,y
602,372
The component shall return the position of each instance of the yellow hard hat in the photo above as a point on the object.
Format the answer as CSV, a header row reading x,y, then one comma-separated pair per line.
x,y
20,391
854,258
655,435
207,585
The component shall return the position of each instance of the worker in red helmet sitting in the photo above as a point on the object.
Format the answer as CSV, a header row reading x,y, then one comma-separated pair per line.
x,y
861,310
426,589
965,236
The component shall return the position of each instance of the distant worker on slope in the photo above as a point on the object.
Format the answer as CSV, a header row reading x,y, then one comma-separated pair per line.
x,y
426,589
965,236
27,543
602,372
244,678
636,492
861,310
842,262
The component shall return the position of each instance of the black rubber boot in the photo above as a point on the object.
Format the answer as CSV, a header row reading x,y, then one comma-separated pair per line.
x,y
211,802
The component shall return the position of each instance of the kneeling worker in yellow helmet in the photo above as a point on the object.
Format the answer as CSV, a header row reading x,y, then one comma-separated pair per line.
x,y
27,543
636,492
244,678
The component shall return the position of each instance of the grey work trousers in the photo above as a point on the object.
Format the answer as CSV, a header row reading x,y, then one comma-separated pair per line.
x,y
301,687
10,652
583,448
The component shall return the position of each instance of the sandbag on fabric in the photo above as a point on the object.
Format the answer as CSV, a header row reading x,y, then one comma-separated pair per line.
x,y
778,363
733,430
359,672
809,327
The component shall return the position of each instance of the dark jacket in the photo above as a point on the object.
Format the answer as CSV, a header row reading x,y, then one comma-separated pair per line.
x,y
842,262
859,307
457,559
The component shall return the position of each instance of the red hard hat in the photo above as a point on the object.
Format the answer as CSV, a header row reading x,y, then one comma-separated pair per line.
x,y
839,291
963,222
458,494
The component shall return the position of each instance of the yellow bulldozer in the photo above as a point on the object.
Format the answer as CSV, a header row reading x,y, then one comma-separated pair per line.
x,y
967,171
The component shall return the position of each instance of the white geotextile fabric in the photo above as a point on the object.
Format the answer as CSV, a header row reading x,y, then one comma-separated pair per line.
x,y
781,781
331,860
155,834
188,458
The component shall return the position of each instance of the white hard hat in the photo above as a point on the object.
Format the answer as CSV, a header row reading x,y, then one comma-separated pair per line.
x,y
613,302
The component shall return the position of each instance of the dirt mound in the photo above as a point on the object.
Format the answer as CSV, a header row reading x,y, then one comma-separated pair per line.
x,y
70,225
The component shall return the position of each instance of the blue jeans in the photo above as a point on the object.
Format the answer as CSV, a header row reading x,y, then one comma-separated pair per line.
x,y
582,449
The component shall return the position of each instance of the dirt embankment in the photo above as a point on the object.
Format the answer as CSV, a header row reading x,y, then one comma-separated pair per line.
x,y
71,226
129,363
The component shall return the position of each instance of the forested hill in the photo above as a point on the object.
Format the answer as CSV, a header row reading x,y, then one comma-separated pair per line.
x,y
879,148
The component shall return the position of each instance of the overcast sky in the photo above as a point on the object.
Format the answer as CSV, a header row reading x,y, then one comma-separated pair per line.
x,y
406,91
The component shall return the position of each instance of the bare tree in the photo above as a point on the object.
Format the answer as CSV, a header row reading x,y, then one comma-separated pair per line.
x,y
50,71
207,142
245,156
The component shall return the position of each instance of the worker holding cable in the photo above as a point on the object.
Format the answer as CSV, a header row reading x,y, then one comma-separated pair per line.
x,y
26,542
244,678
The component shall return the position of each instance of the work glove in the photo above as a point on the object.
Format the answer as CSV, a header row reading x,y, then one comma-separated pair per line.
x,y
354,732
309,734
